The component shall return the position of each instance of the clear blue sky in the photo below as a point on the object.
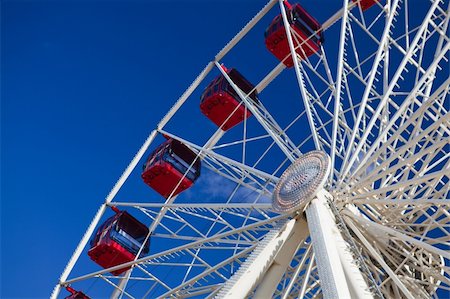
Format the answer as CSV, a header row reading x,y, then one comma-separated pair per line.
x,y
82,84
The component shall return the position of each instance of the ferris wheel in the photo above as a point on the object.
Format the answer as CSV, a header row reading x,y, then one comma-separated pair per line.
x,y
337,188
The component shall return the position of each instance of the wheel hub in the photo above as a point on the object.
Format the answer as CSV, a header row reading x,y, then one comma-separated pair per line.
x,y
301,181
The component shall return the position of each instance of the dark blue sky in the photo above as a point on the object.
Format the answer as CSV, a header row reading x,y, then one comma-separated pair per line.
x,y
82,84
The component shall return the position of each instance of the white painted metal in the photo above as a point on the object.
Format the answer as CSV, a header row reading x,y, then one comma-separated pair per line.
x,y
282,260
370,81
380,259
337,97
393,233
266,120
266,259
324,232
382,114
215,238
299,74
100,213
394,80
245,30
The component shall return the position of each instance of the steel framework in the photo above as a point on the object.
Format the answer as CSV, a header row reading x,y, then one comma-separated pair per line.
x,y
377,103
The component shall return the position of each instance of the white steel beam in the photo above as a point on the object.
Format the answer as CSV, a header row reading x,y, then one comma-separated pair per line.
x,y
401,186
245,30
119,290
306,278
266,120
215,206
338,88
282,260
396,234
300,265
411,98
339,275
207,152
283,240
380,260
370,81
300,79
395,78
405,201
180,248
207,272
439,46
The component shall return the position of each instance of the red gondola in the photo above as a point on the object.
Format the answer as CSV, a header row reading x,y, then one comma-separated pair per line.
x,y
307,39
75,294
220,102
169,164
118,241
366,4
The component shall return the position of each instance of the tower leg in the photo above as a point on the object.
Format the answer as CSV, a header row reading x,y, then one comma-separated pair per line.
x,y
282,260
339,275
259,264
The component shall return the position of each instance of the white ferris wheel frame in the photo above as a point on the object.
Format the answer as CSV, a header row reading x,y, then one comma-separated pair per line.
x,y
330,255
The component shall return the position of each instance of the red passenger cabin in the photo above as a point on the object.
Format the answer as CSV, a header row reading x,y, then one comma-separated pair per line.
x,y
75,294
172,166
118,241
221,103
307,38
365,4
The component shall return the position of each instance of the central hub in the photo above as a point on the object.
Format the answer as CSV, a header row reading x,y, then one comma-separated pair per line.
x,y
301,181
